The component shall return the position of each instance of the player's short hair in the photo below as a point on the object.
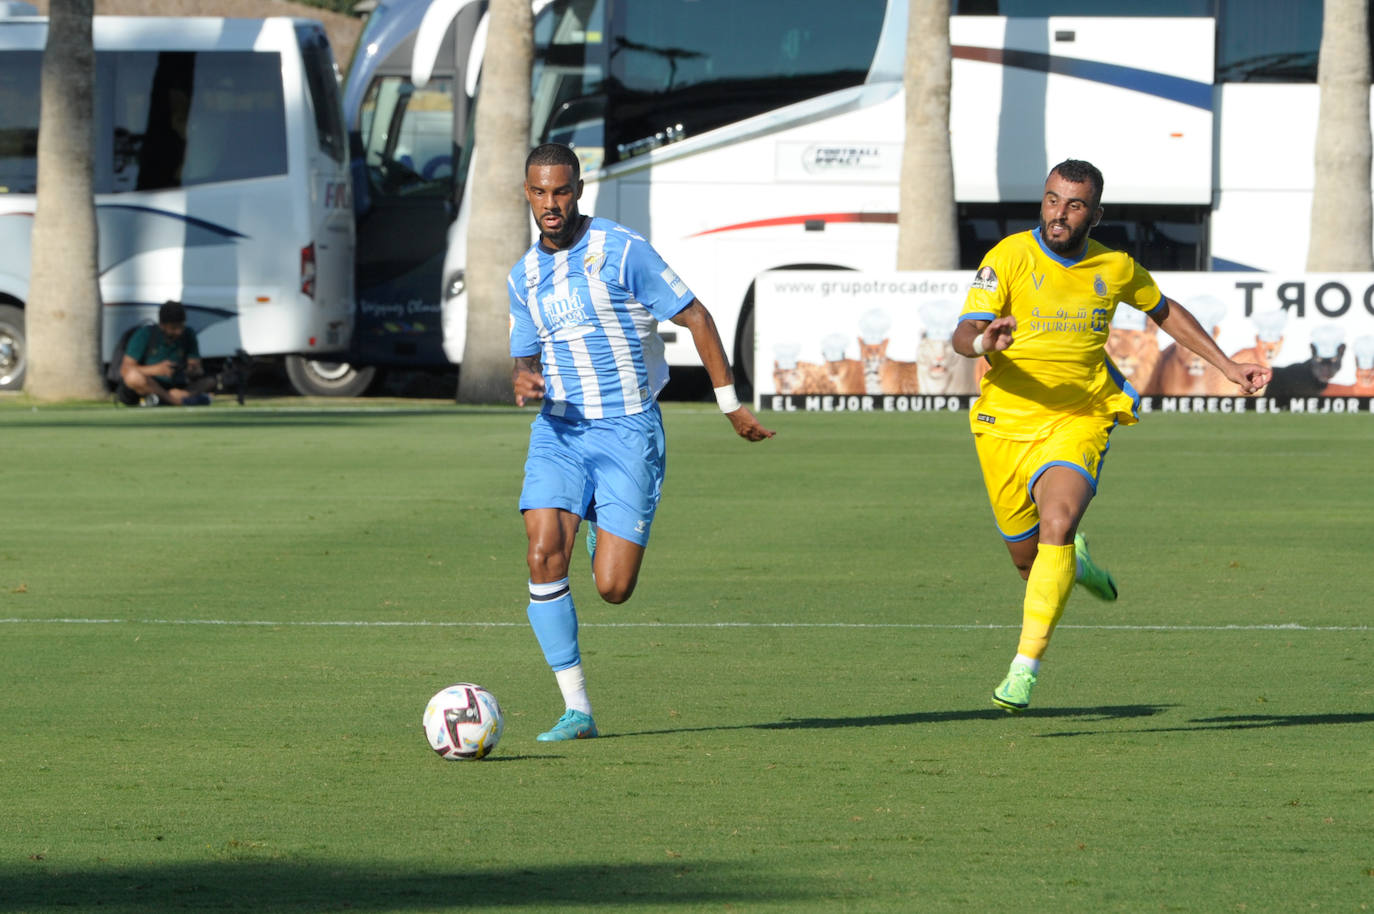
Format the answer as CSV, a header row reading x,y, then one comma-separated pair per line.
x,y
554,154
171,312
1080,172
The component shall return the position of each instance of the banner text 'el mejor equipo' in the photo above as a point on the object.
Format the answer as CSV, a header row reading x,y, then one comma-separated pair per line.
x,y
836,341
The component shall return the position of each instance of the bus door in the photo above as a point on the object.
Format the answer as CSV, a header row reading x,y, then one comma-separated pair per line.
x,y
409,138
328,261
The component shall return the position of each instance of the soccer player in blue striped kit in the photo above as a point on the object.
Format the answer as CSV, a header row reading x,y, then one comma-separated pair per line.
x,y
585,303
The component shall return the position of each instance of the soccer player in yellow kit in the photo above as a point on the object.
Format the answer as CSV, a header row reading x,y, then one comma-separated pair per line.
x,y
1039,310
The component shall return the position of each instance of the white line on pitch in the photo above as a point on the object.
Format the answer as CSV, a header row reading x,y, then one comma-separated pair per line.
x,y
1273,627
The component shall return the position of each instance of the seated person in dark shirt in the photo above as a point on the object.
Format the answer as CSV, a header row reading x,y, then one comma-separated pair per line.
x,y
162,362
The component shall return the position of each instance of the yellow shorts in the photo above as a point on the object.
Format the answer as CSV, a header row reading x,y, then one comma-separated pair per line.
x,y
1011,468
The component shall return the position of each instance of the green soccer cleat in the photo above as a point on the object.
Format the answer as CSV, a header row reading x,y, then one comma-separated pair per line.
x,y
1013,695
572,725
1096,581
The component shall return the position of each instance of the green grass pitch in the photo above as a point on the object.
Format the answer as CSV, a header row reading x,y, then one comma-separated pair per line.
x,y
218,630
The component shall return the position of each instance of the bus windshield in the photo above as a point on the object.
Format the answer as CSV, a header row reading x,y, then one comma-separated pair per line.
x,y
406,137
678,69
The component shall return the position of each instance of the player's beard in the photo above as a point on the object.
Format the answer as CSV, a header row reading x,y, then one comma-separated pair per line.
x,y
1069,246
563,236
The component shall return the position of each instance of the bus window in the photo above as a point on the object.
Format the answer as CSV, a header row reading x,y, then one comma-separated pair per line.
x,y
568,80
1040,9
1272,41
1267,41
322,78
179,117
1173,241
1165,237
408,137
682,67
19,78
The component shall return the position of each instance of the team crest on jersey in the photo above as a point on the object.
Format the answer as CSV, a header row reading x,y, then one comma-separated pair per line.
x,y
592,261
985,279
1099,286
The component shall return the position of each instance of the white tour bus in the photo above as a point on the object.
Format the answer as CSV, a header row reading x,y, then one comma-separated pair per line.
x,y
221,181
750,135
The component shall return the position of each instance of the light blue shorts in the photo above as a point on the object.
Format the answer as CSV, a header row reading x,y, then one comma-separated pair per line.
x,y
606,470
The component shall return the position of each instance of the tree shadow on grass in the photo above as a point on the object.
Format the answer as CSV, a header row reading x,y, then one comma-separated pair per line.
x,y
1100,713
1243,722
261,886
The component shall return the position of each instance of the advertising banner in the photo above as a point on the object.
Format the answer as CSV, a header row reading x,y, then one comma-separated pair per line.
x,y
830,340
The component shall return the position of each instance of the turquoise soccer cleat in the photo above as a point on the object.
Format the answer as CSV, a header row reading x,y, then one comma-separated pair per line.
x,y
1096,581
572,725
1013,695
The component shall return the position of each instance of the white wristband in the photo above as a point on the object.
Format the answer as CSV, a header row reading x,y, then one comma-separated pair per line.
x,y
979,347
727,398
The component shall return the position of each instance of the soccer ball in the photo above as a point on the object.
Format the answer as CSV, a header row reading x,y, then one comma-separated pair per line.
x,y
463,722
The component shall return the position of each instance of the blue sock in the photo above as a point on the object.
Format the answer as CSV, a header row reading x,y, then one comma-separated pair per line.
x,y
554,620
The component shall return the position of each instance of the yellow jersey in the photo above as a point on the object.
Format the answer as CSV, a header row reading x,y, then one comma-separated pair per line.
x,y
1057,364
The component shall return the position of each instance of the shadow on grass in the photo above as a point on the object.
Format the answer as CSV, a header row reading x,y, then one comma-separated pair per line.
x,y
1104,712
1251,721
1242,722
310,887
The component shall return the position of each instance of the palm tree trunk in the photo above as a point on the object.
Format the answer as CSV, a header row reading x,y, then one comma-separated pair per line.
x,y
63,314
1341,205
927,222
499,228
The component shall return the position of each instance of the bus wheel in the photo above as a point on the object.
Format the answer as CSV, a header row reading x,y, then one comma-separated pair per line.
x,y
13,354
314,378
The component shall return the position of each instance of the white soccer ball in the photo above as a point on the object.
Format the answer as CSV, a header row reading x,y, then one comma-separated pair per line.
x,y
463,721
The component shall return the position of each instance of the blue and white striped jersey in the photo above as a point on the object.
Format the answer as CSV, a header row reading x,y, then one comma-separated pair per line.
x,y
592,313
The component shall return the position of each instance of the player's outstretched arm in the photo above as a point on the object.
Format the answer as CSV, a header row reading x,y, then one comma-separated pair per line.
x,y
1179,323
527,378
698,321
747,425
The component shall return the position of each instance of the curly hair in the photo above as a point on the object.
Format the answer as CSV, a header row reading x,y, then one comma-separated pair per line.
x,y
554,154
1080,172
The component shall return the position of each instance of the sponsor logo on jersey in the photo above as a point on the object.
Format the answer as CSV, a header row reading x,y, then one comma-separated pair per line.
x,y
984,417
677,285
985,279
564,312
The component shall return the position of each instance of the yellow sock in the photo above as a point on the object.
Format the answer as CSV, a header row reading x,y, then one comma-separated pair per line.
x,y
1047,590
